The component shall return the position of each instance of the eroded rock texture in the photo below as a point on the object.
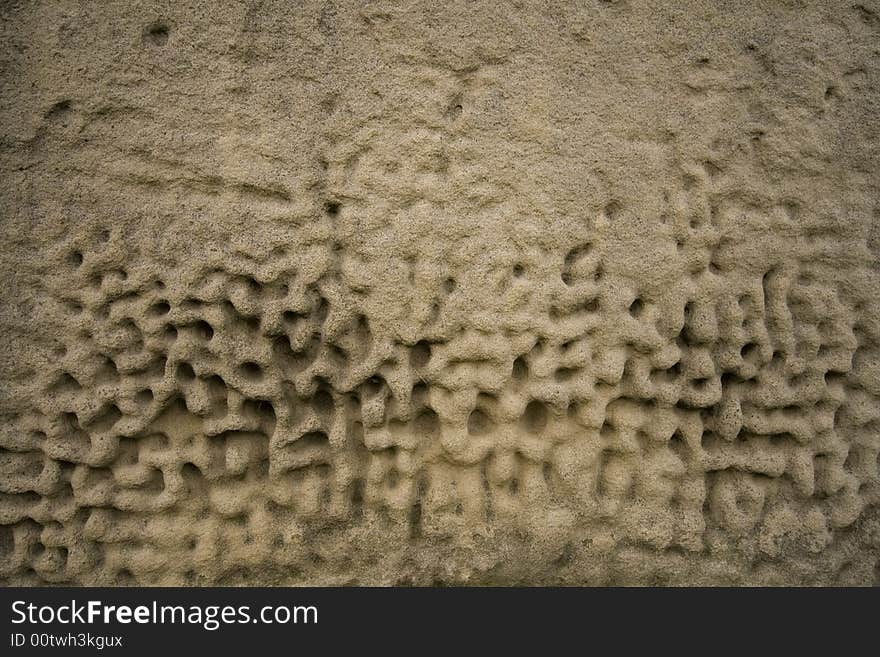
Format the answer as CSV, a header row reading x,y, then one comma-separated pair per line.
x,y
440,292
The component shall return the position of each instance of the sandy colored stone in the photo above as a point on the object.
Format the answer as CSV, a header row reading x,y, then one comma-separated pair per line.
x,y
439,292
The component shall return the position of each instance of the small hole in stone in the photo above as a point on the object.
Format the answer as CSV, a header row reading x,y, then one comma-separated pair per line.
x,y
59,110
157,34
636,308
449,285
373,385
185,372
520,370
332,208
518,270
159,308
76,258
169,334
564,374
534,417
612,210
251,371
479,423
420,354
204,330
750,351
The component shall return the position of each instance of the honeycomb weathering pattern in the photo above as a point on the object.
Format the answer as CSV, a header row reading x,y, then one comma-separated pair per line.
x,y
459,292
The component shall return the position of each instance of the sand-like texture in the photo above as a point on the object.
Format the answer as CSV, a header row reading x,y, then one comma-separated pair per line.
x,y
440,292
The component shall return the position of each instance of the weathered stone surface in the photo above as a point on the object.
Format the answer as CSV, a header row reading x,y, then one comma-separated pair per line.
x,y
458,292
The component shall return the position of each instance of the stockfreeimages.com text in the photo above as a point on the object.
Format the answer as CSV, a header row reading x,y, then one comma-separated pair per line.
x,y
210,617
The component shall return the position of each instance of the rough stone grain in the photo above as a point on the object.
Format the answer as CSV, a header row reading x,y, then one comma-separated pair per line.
x,y
440,292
